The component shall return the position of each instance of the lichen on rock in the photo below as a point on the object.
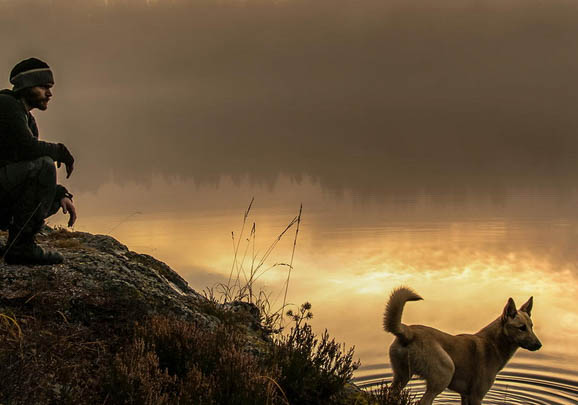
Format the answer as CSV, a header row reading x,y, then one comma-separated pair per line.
x,y
99,277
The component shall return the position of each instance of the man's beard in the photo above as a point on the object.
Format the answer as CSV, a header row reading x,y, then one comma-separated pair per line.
x,y
40,103
35,100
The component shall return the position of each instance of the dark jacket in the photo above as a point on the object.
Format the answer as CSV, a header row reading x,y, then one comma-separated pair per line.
x,y
19,133
19,136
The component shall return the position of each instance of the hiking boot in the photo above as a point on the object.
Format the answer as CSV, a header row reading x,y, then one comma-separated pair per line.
x,y
31,253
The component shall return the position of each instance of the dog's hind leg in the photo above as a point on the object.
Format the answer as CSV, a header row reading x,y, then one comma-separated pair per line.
x,y
471,401
437,377
400,380
398,356
433,390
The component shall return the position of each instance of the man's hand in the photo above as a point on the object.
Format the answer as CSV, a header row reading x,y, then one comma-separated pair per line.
x,y
67,159
68,208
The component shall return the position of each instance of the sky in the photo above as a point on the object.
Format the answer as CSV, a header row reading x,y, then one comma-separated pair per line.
x,y
384,98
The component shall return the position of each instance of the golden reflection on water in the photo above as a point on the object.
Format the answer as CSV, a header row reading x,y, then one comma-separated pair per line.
x,y
349,258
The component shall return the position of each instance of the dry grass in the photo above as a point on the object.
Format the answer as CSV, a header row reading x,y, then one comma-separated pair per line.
x,y
60,233
68,244
46,361
248,267
62,238
383,394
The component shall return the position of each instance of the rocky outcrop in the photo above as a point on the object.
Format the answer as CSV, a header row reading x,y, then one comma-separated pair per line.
x,y
101,279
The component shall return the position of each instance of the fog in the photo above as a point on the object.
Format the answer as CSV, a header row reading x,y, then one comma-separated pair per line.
x,y
383,98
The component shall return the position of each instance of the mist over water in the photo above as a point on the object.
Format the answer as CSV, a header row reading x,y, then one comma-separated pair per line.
x,y
385,98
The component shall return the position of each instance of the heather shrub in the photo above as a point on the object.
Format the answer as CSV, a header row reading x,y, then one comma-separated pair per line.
x,y
136,378
314,370
48,361
172,361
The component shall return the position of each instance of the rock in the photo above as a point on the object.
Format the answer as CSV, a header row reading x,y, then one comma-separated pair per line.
x,y
102,280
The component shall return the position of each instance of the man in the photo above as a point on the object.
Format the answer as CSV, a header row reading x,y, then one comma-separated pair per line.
x,y
28,189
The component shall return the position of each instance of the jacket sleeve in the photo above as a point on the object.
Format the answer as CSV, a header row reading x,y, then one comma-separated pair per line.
x,y
17,138
61,192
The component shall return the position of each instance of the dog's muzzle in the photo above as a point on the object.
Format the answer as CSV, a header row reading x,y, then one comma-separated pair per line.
x,y
534,346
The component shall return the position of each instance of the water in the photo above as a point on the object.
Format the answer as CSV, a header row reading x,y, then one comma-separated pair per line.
x,y
522,381
465,258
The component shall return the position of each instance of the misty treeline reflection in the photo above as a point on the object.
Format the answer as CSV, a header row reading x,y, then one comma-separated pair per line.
x,y
378,97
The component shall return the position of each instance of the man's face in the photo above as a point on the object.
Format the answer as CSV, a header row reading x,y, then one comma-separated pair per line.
x,y
39,96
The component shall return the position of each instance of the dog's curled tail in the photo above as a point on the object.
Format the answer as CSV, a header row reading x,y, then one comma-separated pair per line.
x,y
394,309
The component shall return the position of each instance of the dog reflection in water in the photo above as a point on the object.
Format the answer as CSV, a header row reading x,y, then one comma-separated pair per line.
x,y
464,363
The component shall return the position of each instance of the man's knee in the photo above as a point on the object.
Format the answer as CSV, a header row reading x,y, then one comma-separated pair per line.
x,y
46,170
14,176
45,162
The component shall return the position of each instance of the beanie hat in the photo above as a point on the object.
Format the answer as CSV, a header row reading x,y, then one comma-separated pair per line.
x,y
29,73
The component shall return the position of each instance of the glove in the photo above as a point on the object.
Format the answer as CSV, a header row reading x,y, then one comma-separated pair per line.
x,y
66,158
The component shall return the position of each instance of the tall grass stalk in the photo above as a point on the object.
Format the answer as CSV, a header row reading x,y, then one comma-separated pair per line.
x,y
122,221
8,320
271,381
292,256
241,281
236,248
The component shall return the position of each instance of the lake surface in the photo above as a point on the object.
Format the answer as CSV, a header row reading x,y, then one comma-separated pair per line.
x,y
465,254
528,379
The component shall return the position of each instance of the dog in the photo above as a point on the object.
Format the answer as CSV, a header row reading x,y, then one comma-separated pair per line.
x,y
464,363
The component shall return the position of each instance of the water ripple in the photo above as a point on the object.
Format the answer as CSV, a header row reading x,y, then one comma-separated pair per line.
x,y
518,383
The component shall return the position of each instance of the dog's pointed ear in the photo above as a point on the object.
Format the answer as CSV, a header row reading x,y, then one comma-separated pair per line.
x,y
509,310
527,307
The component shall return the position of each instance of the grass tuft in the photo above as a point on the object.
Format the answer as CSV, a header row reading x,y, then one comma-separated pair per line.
x,y
248,267
384,394
62,238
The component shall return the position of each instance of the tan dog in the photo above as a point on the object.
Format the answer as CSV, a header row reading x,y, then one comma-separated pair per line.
x,y
467,364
